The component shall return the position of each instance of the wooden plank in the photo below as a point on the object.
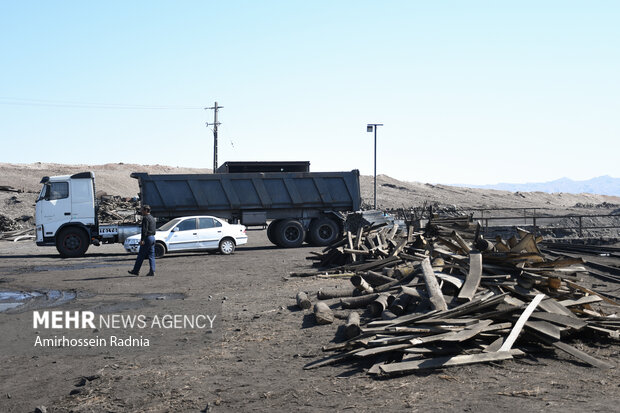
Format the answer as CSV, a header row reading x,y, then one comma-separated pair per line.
x,y
494,346
560,262
399,247
406,319
473,277
372,265
439,362
380,360
351,245
564,320
393,231
358,238
430,339
478,303
451,321
449,244
589,299
514,333
414,292
470,331
545,328
588,291
459,240
379,350
552,306
436,297
583,356
331,359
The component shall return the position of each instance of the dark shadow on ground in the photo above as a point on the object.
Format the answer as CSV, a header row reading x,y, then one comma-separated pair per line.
x,y
103,278
96,255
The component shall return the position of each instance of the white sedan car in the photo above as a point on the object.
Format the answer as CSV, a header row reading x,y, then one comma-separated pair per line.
x,y
193,233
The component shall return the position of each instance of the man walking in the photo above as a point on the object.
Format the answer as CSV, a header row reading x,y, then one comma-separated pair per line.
x,y
147,242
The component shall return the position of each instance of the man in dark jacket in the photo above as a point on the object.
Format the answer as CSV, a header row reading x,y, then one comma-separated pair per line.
x,y
147,242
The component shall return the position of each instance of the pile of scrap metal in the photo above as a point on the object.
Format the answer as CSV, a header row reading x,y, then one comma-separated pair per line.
x,y
445,296
13,229
17,235
114,209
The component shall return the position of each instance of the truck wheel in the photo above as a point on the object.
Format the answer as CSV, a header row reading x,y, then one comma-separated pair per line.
x,y
271,231
227,246
323,231
72,242
160,250
290,233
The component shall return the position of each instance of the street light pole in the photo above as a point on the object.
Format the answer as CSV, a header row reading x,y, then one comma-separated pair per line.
x,y
372,127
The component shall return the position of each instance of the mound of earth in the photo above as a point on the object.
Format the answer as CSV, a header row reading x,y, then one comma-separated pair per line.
x,y
114,179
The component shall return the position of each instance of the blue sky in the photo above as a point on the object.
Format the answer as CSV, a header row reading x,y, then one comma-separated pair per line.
x,y
472,92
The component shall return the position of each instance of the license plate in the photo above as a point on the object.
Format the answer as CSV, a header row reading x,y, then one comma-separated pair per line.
x,y
109,230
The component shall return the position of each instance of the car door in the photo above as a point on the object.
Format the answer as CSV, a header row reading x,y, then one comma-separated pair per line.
x,y
184,235
209,233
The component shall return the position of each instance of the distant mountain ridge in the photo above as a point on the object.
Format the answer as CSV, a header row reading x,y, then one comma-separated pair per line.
x,y
602,185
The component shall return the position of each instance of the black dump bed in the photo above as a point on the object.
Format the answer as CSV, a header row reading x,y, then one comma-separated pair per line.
x,y
250,198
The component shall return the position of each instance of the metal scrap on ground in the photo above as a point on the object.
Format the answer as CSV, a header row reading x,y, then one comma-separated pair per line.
x,y
442,295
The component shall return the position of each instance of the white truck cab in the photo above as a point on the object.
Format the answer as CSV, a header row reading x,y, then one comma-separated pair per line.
x,y
66,216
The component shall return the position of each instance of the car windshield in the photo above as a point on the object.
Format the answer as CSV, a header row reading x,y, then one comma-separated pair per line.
x,y
169,225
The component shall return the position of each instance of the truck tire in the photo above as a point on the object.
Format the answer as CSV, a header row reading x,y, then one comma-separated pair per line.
x,y
290,233
227,246
323,231
271,231
72,242
160,249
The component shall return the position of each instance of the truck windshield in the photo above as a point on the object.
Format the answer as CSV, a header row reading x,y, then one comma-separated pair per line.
x,y
169,225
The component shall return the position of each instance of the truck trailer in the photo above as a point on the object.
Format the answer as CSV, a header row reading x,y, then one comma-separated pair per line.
x,y
301,206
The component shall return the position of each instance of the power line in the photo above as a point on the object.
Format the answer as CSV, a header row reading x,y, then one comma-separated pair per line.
x,y
88,105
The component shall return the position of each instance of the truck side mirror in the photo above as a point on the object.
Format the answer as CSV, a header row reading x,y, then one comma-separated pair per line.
x,y
175,229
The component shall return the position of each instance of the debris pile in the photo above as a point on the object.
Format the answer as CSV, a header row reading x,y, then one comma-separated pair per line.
x,y
8,224
445,296
116,209
7,188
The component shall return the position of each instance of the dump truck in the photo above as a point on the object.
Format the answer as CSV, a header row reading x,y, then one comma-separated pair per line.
x,y
299,206
66,216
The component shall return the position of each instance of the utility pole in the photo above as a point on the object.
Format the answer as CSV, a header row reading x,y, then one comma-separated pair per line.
x,y
372,127
215,124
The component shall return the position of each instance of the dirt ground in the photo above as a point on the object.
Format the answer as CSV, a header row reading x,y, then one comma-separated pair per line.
x,y
256,362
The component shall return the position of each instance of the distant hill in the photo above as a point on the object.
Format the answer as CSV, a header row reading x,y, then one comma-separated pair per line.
x,y
602,185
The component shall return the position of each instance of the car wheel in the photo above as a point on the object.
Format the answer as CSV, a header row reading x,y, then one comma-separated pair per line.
x,y
323,231
290,233
72,242
160,250
227,246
